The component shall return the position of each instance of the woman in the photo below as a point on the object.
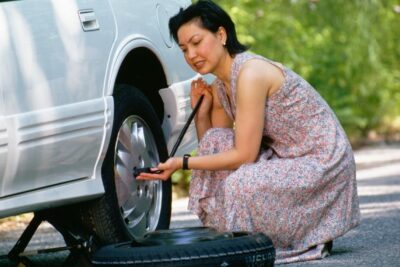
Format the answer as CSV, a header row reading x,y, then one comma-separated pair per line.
x,y
272,156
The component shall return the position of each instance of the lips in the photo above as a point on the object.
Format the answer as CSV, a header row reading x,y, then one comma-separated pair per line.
x,y
199,64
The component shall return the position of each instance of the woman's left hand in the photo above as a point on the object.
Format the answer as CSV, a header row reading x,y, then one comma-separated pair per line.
x,y
167,168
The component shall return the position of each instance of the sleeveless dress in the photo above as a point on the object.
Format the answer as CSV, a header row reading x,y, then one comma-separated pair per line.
x,y
301,191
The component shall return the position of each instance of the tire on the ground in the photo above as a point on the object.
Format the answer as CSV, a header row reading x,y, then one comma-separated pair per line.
x,y
190,247
104,216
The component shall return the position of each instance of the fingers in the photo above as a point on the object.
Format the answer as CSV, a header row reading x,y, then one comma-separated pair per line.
x,y
199,85
162,172
152,176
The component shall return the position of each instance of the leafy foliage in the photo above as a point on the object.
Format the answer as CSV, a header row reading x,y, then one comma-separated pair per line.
x,y
348,50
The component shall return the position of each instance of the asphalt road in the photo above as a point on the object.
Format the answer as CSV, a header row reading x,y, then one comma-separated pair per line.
x,y
376,242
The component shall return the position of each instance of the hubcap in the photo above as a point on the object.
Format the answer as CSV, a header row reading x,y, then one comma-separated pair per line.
x,y
139,201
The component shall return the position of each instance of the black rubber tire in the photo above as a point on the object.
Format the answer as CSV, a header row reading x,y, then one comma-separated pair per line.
x,y
103,216
232,249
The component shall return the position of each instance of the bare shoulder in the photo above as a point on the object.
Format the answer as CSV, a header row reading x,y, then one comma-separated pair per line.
x,y
262,72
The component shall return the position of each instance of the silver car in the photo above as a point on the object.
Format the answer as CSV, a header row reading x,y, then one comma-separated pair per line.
x,y
89,90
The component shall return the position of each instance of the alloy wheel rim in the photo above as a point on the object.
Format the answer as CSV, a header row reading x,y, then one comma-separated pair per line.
x,y
139,201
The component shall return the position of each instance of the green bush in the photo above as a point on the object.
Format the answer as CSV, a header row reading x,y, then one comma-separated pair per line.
x,y
348,50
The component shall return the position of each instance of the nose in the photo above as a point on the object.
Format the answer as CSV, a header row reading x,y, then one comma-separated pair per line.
x,y
191,53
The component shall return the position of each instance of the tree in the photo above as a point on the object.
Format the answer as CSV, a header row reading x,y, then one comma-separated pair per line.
x,y
348,50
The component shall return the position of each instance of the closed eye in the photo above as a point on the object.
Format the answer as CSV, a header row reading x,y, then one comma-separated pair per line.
x,y
183,48
197,42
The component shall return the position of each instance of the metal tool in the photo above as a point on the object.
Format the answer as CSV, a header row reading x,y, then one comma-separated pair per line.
x,y
137,171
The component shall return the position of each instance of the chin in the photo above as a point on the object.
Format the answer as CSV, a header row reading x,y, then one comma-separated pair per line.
x,y
203,70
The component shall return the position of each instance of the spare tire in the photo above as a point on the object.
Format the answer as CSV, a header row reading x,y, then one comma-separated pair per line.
x,y
199,246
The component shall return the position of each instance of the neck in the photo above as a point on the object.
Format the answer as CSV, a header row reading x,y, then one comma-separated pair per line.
x,y
223,70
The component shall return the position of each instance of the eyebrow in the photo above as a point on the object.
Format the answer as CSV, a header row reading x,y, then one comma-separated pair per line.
x,y
190,39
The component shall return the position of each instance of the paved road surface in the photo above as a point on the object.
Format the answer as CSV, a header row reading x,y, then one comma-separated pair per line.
x,y
376,242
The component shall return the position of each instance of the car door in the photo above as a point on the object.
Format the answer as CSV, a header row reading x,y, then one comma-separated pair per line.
x,y
54,56
3,138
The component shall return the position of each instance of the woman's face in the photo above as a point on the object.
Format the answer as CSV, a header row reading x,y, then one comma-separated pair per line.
x,y
202,49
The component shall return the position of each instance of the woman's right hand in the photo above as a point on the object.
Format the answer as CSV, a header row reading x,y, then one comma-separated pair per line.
x,y
198,88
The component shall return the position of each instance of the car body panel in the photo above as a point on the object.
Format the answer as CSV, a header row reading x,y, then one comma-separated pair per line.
x,y
56,86
3,145
176,95
54,113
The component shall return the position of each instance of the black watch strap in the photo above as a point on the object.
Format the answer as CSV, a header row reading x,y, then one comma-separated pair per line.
x,y
185,162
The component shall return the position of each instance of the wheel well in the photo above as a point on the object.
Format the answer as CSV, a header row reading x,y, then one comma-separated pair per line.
x,y
142,69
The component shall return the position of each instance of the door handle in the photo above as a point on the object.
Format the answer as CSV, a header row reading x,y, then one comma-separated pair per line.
x,y
88,20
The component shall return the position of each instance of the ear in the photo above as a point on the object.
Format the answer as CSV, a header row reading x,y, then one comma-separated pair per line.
x,y
222,35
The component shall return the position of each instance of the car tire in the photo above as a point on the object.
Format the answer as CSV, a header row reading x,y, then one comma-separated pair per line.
x,y
200,246
131,208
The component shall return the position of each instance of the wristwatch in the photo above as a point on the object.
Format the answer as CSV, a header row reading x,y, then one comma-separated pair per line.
x,y
185,162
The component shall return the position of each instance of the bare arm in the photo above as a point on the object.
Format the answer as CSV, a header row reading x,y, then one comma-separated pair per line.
x,y
212,113
202,118
256,81
219,118
252,88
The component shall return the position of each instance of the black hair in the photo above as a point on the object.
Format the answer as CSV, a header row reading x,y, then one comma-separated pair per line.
x,y
211,17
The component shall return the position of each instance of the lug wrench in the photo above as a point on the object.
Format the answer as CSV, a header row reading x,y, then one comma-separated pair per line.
x,y
137,171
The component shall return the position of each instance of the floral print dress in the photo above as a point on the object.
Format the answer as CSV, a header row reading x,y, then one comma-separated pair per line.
x,y
301,191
